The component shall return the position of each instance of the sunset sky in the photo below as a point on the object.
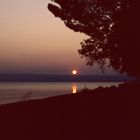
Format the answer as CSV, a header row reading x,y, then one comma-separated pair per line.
x,y
32,40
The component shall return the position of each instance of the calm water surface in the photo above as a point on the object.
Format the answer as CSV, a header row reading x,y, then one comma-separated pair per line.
x,y
17,92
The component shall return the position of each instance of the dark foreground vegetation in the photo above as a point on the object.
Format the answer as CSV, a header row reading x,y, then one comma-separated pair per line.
x,y
101,114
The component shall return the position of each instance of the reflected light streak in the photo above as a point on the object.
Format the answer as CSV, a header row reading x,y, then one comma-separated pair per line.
x,y
74,89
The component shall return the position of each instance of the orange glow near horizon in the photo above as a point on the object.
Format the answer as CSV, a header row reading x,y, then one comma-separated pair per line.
x,y
33,40
29,29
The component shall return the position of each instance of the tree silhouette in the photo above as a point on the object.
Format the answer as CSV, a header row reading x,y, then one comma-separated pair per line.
x,y
112,27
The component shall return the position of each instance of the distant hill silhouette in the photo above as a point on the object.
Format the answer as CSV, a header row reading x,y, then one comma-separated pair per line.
x,y
62,78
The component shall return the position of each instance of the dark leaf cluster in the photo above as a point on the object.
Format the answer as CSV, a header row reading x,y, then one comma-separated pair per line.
x,y
113,27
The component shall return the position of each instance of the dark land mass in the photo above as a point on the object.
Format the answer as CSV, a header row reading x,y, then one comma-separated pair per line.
x,y
101,114
62,78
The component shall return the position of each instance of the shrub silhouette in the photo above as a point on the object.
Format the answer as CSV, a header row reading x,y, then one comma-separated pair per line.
x,y
113,28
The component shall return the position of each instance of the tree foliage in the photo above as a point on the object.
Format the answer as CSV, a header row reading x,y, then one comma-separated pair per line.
x,y
112,27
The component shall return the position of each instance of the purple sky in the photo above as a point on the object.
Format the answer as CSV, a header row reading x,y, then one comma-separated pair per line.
x,y
32,40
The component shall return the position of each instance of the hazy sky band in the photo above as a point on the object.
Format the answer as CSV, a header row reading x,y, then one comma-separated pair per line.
x,y
33,40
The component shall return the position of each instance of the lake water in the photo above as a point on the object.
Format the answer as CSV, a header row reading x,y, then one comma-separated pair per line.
x,y
18,92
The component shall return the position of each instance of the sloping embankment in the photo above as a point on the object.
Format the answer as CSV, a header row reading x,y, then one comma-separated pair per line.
x,y
105,113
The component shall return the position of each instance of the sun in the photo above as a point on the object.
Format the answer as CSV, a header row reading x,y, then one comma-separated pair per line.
x,y
74,72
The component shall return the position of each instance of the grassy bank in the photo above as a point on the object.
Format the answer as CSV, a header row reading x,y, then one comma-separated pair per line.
x,y
105,113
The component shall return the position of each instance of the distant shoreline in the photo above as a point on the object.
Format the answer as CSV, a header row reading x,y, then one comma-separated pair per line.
x,y
63,78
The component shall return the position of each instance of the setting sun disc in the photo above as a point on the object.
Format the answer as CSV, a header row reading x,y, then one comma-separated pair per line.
x,y
74,72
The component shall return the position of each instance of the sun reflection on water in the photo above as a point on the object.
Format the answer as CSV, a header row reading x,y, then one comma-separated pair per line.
x,y
74,89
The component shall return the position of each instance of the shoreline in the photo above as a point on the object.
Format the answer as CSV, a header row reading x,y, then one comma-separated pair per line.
x,y
17,92
104,113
